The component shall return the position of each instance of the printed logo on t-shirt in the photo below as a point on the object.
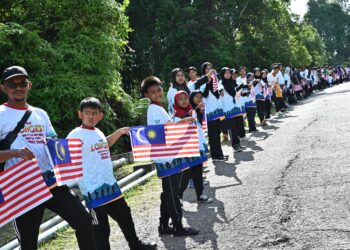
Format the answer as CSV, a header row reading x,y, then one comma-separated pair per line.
x,y
102,148
34,134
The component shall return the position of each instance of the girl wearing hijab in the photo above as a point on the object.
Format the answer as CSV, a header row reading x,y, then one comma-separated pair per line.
x,y
259,95
248,97
231,108
267,94
289,86
183,109
214,113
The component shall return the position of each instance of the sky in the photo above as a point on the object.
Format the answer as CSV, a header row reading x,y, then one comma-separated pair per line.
x,y
299,7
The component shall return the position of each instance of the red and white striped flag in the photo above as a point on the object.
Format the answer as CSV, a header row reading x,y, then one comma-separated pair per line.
x,y
66,156
22,188
164,141
215,82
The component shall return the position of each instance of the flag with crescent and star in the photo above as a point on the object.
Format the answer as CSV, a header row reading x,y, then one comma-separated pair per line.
x,y
164,141
66,156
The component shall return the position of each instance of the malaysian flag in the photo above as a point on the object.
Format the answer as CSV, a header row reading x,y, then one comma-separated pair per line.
x,y
215,82
66,156
164,141
22,188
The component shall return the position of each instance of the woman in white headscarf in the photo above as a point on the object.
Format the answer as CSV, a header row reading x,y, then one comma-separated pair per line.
x,y
289,86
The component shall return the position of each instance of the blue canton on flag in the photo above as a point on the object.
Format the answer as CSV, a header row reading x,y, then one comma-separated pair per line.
x,y
66,156
148,135
59,151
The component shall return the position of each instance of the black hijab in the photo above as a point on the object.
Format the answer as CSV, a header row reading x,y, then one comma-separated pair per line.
x,y
229,84
209,86
176,85
194,106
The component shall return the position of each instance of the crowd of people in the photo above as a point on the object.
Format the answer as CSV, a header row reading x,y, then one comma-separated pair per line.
x,y
219,102
225,101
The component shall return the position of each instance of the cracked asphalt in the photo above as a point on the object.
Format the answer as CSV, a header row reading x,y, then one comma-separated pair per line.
x,y
290,189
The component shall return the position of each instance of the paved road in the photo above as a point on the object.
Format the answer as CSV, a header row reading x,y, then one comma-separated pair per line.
x,y
290,189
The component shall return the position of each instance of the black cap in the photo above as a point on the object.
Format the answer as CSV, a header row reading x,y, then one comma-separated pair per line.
x,y
13,71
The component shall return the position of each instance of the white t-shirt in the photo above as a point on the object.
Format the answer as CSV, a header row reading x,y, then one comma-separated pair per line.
x,y
32,136
240,80
97,163
191,85
271,79
280,77
157,115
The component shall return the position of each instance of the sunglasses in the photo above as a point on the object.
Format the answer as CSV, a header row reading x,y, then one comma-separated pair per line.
x,y
13,85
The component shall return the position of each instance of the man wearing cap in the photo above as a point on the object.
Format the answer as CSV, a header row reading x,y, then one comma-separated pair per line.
x,y
29,144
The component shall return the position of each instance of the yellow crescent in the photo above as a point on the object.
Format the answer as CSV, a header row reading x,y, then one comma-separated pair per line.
x,y
138,135
57,151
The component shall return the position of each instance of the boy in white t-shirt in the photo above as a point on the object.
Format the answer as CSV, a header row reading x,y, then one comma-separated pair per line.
x,y
167,169
98,184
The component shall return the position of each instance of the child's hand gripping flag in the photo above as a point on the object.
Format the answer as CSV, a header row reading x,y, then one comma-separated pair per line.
x,y
66,156
164,141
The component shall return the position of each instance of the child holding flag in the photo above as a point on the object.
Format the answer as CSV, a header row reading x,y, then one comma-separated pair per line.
x,y
170,206
98,185
183,109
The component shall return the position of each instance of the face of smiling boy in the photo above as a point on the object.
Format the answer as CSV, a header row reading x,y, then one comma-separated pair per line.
x,y
155,93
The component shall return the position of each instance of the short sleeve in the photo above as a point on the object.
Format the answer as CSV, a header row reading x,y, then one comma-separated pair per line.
x,y
171,96
157,115
49,130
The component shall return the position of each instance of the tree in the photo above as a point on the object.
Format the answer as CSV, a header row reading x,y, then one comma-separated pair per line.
x,y
72,50
332,23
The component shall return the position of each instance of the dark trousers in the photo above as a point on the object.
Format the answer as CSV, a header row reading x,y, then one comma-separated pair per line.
x,y
196,174
120,212
268,108
170,206
223,126
66,205
279,103
260,106
239,124
232,129
214,139
290,97
251,112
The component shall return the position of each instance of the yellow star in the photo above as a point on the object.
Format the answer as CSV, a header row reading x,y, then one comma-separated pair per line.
x,y
151,134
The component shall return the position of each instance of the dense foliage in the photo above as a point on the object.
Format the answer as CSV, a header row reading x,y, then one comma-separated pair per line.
x,y
171,33
74,49
332,21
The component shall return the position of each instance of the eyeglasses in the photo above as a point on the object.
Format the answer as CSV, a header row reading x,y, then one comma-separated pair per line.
x,y
14,85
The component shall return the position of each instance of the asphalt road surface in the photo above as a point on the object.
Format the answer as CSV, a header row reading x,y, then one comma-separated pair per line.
x,y
290,189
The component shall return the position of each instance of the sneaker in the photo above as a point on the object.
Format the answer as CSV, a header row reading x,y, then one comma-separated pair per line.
x,y
237,148
205,182
242,147
165,229
144,246
219,159
190,184
204,199
185,231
